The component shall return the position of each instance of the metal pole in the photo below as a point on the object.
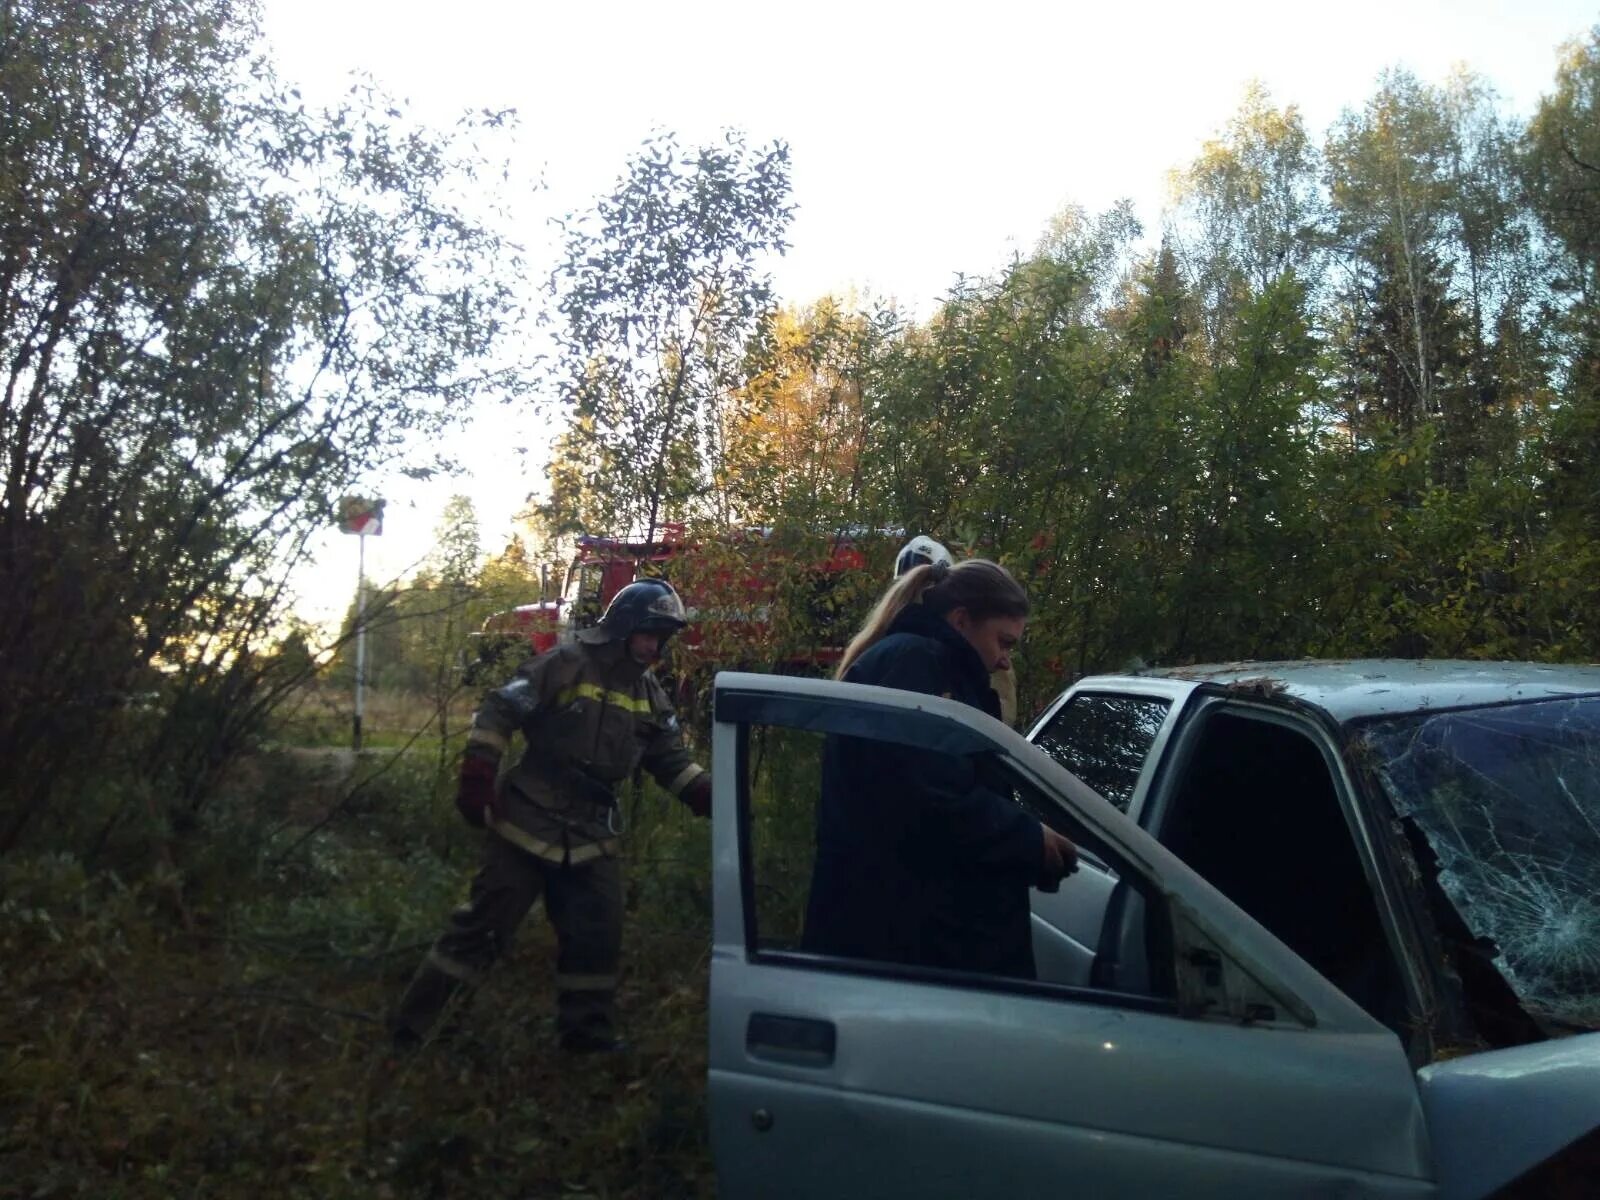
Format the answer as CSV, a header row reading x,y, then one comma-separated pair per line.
x,y
361,636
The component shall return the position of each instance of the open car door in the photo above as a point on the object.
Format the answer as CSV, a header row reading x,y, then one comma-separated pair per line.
x,y
1232,1069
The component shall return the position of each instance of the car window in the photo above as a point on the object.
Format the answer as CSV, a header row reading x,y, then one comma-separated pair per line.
x,y
1103,739
887,888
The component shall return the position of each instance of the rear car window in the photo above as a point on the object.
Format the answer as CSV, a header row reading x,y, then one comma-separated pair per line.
x,y
1104,739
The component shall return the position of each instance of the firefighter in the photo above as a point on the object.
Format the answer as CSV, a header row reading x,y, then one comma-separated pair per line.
x,y
923,551
590,713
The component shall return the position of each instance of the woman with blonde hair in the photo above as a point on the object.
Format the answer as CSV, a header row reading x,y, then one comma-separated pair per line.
x,y
924,551
917,861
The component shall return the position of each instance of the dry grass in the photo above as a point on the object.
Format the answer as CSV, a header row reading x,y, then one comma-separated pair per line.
x,y
317,715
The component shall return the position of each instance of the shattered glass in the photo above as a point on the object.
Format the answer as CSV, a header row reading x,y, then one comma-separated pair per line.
x,y
1509,799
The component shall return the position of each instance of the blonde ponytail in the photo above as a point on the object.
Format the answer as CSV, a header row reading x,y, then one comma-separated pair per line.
x,y
904,592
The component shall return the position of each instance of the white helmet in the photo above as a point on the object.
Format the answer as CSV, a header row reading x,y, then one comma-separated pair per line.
x,y
921,552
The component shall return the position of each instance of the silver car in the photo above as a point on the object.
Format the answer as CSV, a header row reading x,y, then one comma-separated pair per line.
x,y
1336,932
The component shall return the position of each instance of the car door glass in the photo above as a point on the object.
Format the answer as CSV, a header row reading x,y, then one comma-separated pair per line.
x,y
783,780
1103,739
887,885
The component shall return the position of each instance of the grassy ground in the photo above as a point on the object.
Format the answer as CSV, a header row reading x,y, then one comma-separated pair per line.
x,y
319,715
214,1029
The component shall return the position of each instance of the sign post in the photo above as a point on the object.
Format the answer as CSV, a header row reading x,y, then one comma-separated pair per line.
x,y
361,517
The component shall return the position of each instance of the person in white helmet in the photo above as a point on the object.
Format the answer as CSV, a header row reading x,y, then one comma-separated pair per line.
x,y
923,551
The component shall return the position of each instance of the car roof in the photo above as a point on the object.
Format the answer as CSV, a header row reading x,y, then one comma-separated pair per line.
x,y
1349,689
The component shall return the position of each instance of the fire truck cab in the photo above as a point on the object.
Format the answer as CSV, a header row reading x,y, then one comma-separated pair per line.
x,y
735,600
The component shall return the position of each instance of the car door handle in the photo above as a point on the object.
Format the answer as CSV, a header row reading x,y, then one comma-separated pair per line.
x,y
795,1041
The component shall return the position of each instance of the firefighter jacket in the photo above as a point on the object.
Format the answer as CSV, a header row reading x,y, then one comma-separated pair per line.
x,y
590,716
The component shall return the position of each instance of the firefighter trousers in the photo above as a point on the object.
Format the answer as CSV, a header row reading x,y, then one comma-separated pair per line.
x,y
584,904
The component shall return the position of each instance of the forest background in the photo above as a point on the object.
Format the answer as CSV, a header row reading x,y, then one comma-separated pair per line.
x,y
1345,401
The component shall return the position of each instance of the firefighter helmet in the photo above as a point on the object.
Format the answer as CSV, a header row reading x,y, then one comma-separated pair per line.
x,y
920,551
644,606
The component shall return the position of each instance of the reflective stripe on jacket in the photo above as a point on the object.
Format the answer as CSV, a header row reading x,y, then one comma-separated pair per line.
x,y
590,716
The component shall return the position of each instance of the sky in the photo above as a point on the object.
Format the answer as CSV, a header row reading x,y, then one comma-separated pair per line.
x,y
927,139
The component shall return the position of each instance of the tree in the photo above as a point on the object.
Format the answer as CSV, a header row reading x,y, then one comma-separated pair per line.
x,y
793,433
1388,171
1249,210
1440,300
457,551
1561,163
660,291
218,310
1242,588
1560,168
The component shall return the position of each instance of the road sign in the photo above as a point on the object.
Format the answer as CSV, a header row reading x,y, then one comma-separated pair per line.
x,y
361,516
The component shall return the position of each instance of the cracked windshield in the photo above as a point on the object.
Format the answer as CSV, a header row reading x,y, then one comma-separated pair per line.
x,y
1509,800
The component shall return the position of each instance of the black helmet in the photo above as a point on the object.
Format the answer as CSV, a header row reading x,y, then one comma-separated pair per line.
x,y
644,606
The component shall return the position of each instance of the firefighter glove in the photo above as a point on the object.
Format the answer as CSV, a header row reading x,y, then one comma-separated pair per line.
x,y
697,795
475,790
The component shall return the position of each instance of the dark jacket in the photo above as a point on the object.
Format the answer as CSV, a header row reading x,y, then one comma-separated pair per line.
x,y
589,715
918,862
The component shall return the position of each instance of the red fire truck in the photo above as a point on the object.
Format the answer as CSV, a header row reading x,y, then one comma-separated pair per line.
x,y
754,597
